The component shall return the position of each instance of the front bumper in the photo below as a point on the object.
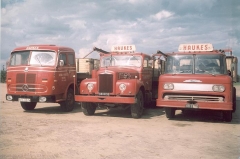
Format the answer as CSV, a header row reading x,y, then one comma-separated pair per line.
x,y
50,99
105,99
201,104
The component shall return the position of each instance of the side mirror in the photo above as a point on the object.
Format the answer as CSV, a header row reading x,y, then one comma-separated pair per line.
x,y
229,73
61,62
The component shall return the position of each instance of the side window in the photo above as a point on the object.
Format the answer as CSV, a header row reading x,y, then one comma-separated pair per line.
x,y
64,58
147,62
71,59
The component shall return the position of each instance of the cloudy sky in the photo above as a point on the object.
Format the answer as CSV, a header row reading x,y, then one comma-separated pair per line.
x,y
151,25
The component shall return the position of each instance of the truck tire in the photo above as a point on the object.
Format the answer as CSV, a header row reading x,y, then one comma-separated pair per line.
x,y
234,99
137,108
68,104
170,112
28,105
88,108
227,116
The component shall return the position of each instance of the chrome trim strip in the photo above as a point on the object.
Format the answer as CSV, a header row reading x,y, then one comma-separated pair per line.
x,y
192,87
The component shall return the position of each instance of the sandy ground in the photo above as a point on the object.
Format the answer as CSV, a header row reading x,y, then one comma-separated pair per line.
x,y
48,133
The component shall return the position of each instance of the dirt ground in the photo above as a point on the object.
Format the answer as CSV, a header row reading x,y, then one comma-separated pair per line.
x,y
48,133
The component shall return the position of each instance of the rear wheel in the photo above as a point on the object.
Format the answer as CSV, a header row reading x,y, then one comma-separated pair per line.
x,y
227,116
88,108
68,104
170,112
28,105
137,108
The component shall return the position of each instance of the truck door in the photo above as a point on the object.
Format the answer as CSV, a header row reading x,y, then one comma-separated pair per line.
x,y
62,73
147,73
71,67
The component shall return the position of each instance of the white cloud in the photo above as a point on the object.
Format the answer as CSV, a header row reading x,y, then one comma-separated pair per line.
x,y
162,15
77,24
150,25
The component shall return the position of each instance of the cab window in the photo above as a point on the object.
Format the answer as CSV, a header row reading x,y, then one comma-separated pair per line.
x,y
71,59
64,58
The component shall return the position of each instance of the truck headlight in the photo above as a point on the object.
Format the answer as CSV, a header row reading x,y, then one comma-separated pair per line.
x,y
42,99
218,88
168,86
9,97
90,86
122,87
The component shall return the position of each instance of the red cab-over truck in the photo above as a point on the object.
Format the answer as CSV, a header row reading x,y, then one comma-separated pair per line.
x,y
41,73
196,77
124,79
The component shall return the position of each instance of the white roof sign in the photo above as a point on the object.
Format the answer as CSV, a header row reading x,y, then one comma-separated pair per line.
x,y
195,47
123,48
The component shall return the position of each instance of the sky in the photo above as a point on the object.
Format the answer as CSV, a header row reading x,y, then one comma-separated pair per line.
x,y
150,25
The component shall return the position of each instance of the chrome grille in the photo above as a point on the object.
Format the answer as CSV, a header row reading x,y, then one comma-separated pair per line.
x,y
27,88
194,98
105,83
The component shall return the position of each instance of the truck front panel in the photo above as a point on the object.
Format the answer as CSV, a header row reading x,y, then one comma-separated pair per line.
x,y
198,80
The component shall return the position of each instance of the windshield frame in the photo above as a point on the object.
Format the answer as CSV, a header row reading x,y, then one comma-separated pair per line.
x,y
193,67
26,58
121,61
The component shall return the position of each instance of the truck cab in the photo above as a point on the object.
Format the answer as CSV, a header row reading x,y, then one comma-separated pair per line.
x,y
196,77
40,74
124,79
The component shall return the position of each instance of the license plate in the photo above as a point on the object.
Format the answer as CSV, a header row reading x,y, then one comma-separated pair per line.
x,y
191,105
24,99
104,94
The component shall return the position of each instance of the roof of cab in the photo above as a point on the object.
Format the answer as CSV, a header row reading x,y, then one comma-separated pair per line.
x,y
44,47
214,52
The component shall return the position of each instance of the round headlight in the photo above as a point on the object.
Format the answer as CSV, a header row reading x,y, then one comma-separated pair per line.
x,y
122,87
9,97
168,86
90,86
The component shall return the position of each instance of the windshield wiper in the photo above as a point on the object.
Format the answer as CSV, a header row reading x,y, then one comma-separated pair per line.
x,y
39,61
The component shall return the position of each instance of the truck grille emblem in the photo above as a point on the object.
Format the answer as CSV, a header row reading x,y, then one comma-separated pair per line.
x,y
26,69
25,87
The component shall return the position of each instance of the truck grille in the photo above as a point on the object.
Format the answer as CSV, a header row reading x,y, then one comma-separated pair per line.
x,y
194,98
105,83
30,78
22,79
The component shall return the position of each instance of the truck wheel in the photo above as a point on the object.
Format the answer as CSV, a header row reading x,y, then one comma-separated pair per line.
x,y
68,104
88,108
137,108
234,99
28,105
170,112
227,116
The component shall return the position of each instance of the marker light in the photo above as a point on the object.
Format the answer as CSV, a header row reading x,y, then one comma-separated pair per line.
x,y
168,86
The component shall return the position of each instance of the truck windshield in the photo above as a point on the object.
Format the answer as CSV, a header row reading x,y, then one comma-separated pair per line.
x,y
197,64
135,61
47,58
19,58
33,58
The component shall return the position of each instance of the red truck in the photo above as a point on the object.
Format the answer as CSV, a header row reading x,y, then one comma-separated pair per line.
x,y
196,77
41,73
124,79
